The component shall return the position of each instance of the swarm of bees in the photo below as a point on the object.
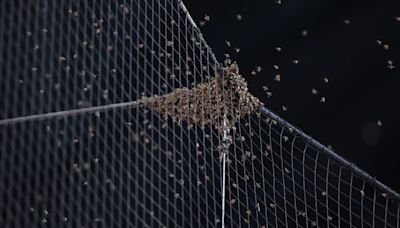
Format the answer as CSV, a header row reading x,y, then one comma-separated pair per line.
x,y
221,102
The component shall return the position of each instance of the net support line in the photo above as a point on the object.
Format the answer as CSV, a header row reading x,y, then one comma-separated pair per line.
x,y
226,142
70,112
200,35
320,147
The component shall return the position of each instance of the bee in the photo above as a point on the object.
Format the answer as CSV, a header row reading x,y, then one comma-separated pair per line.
x,y
97,220
386,47
286,170
125,8
390,64
314,91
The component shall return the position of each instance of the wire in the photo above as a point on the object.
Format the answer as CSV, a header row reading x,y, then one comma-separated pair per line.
x,y
331,154
71,112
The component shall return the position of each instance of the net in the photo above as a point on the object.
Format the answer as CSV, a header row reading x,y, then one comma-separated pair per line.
x,y
117,114
280,177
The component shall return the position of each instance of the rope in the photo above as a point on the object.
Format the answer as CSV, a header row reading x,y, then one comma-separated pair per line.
x,y
71,112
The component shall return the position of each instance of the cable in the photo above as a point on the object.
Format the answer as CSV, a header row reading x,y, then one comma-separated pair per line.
x,y
71,112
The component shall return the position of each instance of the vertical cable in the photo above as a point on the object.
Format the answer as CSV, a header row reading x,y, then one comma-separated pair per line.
x,y
226,142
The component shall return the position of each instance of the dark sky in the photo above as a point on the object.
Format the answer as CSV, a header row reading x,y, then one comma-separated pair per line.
x,y
354,44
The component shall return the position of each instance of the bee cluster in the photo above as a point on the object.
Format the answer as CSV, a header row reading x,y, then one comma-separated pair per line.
x,y
221,102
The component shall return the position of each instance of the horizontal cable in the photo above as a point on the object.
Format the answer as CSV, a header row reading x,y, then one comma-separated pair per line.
x,y
72,112
311,141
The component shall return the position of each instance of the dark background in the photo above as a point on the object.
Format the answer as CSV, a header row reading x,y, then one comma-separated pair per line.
x,y
342,45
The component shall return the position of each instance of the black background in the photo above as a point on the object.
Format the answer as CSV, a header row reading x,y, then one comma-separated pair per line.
x,y
342,45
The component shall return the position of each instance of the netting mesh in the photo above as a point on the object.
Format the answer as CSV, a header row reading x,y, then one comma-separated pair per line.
x,y
77,150
279,177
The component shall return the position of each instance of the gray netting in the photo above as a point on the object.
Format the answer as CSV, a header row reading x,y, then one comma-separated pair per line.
x,y
89,136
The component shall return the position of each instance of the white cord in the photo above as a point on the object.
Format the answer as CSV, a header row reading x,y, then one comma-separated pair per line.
x,y
68,112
